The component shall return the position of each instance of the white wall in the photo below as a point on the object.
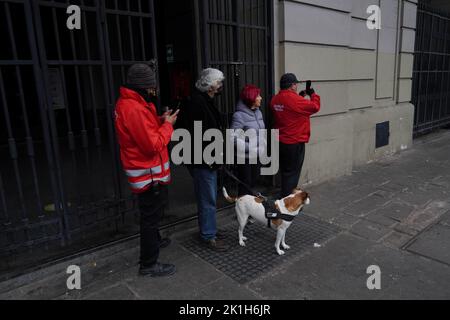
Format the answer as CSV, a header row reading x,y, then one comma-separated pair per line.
x,y
364,76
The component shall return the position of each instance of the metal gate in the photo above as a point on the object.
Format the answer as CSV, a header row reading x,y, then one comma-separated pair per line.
x,y
61,186
431,75
238,40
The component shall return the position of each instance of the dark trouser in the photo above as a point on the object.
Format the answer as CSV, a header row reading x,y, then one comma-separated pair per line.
x,y
151,205
291,163
247,173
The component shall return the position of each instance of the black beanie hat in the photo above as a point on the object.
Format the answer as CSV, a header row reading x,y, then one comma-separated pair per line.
x,y
141,76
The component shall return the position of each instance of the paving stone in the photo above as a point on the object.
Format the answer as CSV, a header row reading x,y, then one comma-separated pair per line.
x,y
445,220
227,289
362,207
396,239
370,230
345,221
434,243
396,211
379,218
116,292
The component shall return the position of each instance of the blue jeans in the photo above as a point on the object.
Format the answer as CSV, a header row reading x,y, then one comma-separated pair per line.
x,y
205,187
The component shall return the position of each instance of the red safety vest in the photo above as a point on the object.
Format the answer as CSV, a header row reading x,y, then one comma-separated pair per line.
x,y
143,141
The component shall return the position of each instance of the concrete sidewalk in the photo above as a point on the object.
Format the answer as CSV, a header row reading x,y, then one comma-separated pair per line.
x,y
393,213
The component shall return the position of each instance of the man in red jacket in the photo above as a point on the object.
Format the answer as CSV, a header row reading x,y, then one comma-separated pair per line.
x,y
292,114
143,137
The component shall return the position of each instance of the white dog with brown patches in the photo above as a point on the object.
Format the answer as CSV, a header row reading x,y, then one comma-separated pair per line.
x,y
288,208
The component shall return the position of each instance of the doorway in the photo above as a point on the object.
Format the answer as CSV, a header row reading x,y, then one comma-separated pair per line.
x,y
176,49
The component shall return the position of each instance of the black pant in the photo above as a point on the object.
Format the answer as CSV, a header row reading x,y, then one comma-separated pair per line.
x,y
151,206
249,174
291,163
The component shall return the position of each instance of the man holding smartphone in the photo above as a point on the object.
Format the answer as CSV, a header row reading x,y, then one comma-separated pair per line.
x,y
292,113
143,137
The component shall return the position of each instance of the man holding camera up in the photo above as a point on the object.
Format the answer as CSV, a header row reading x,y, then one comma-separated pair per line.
x,y
292,113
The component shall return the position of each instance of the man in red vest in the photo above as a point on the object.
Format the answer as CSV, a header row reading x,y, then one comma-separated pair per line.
x,y
143,137
292,113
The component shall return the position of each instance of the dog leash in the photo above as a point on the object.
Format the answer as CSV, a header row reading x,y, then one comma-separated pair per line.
x,y
232,176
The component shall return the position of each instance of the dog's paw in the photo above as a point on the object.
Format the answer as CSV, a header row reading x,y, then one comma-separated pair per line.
x,y
242,243
285,246
281,252
244,238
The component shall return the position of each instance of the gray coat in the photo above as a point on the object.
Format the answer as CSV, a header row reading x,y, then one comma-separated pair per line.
x,y
244,118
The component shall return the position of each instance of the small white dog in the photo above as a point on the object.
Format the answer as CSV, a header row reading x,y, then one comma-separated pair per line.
x,y
288,208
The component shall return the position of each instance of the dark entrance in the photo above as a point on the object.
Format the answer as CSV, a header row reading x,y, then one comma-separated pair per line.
x,y
62,189
431,76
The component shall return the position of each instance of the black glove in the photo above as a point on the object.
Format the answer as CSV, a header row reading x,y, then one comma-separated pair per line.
x,y
303,93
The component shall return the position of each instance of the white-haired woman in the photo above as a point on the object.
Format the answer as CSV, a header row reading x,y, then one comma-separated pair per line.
x,y
202,108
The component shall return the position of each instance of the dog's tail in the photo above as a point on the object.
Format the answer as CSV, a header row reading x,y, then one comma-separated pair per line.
x,y
229,199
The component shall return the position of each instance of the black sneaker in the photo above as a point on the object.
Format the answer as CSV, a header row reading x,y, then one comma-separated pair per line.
x,y
164,243
158,270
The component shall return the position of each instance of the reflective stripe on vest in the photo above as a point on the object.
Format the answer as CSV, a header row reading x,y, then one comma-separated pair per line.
x,y
142,172
143,184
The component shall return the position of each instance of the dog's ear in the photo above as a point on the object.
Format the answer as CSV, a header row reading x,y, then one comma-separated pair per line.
x,y
292,203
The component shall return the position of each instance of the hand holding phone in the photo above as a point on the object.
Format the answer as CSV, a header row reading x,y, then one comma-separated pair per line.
x,y
172,118
309,90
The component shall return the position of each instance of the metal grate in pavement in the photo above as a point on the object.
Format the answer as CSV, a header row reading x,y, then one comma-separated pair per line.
x,y
245,264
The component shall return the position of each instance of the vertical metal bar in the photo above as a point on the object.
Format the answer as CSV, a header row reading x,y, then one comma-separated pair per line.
x,y
63,82
97,132
428,68
141,29
28,138
130,30
70,134
105,55
154,44
119,36
13,149
3,207
43,117
84,132
206,34
444,50
61,207
420,48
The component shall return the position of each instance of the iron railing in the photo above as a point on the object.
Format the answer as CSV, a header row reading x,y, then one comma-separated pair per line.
x,y
61,186
431,73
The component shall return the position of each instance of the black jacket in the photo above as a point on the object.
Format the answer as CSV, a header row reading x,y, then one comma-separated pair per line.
x,y
201,107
